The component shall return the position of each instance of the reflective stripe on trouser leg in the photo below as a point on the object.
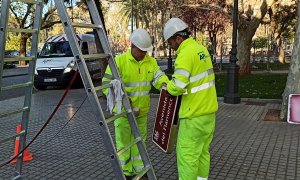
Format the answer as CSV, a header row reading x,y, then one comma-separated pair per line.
x,y
123,133
201,178
194,138
135,155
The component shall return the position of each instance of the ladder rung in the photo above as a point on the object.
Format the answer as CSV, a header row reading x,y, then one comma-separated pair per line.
x,y
121,151
144,171
22,30
29,1
14,112
95,56
12,137
19,59
98,88
27,84
84,25
115,117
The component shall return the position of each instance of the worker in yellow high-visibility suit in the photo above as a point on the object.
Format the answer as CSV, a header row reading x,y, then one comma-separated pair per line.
x,y
138,71
194,79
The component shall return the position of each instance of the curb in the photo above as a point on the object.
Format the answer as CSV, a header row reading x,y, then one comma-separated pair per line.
x,y
256,100
242,99
14,75
13,72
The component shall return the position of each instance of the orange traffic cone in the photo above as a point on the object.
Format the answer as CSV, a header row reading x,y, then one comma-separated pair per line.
x,y
26,155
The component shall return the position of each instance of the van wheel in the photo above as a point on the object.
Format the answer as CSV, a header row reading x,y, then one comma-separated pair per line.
x,y
40,87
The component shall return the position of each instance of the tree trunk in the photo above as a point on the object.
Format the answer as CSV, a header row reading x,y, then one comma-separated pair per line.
x,y
24,38
246,30
281,57
293,79
136,19
244,50
213,40
219,46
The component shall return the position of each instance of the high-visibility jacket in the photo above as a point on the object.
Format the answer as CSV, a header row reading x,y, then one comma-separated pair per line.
x,y
137,77
194,79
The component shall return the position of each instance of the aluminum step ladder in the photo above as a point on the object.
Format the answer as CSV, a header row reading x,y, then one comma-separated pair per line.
x,y
4,30
92,91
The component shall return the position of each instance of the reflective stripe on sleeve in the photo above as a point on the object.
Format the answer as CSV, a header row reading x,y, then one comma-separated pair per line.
x,y
182,72
157,75
203,86
179,83
139,93
201,75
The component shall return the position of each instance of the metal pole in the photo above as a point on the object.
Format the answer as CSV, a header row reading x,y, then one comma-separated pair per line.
x,y
221,58
232,96
254,46
170,68
131,16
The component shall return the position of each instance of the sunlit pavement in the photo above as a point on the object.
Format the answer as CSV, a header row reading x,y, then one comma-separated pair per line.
x,y
244,147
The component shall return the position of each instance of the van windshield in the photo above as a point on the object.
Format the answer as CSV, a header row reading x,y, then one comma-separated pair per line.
x,y
56,49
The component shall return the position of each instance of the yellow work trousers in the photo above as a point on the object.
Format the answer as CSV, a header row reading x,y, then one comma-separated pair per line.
x,y
194,138
131,161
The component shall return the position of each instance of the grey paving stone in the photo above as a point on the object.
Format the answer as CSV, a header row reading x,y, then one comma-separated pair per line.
x,y
244,146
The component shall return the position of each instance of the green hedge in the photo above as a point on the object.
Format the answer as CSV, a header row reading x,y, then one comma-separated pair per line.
x,y
263,86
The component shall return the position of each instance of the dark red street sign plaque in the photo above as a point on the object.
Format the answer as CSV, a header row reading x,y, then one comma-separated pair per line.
x,y
294,109
166,121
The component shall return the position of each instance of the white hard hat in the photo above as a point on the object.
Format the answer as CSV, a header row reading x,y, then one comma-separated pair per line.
x,y
173,26
141,39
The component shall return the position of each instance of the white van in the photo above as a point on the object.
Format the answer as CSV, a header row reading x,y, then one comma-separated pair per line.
x,y
55,64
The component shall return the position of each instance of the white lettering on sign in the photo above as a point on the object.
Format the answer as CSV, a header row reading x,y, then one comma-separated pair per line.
x,y
156,135
163,112
163,138
168,114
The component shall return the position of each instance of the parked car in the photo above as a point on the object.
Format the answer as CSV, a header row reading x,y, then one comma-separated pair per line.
x,y
11,54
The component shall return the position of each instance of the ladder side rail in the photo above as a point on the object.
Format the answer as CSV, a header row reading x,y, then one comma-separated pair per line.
x,y
103,38
141,145
88,84
28,91
3,28
131,118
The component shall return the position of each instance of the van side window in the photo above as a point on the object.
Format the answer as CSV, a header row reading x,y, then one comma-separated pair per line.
x,y
92,48
84,48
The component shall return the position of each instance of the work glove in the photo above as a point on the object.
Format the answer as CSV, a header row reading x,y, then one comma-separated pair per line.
x,y
169,94
164,86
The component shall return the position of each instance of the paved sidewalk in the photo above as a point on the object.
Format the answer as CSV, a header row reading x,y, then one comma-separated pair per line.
x,y
244,147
